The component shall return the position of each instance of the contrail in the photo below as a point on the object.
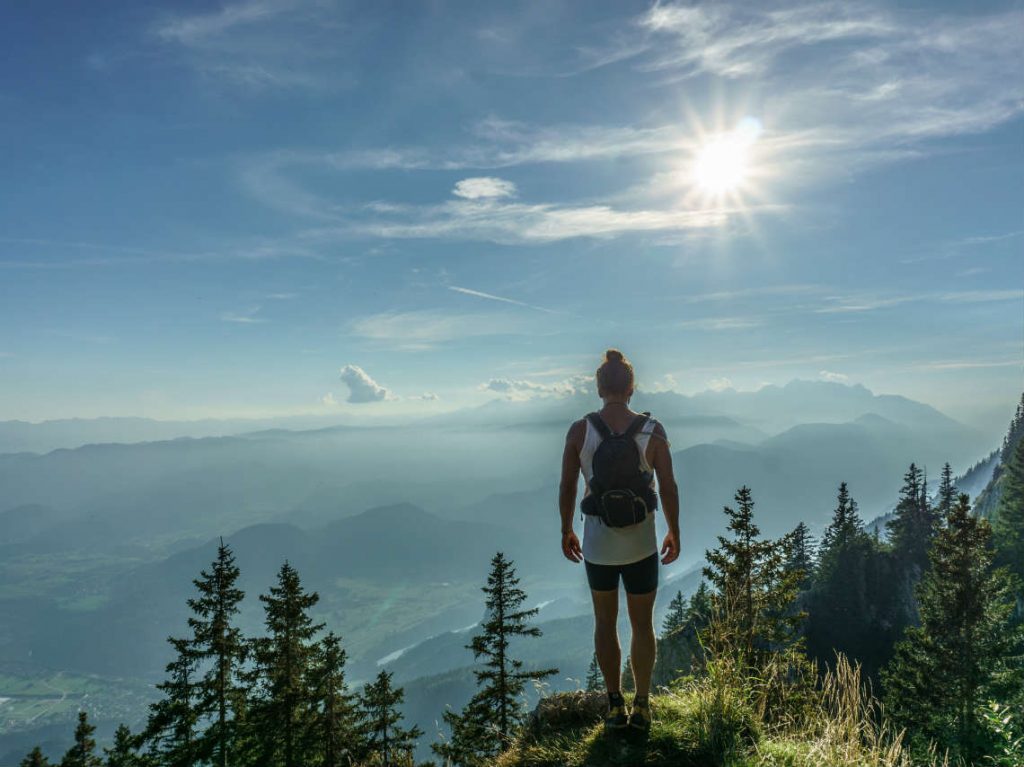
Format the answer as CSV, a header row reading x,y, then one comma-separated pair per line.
x,y
491,297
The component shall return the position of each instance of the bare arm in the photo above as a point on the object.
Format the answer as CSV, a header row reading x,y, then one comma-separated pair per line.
x,y
567,490
668,492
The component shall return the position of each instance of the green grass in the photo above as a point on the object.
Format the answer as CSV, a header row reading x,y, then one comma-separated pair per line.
x,y
718,721
697,728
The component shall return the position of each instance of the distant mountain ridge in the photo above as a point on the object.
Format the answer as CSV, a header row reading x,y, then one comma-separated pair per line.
x,y
769,409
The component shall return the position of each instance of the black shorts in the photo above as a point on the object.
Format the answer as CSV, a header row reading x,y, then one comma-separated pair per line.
x,y
639,577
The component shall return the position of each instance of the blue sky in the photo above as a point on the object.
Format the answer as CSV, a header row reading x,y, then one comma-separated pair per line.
x,y
226,209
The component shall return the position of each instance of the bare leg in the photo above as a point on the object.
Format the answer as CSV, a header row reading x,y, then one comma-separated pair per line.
x,y
643,646
606,638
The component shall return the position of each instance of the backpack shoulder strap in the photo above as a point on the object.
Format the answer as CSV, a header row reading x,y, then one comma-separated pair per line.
x,y
637,424
598,423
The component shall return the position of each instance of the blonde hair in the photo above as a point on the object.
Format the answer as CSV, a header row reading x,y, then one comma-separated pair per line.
x,y
615,374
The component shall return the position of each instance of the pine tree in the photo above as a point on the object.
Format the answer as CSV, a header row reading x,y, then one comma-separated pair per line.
x,y
594,681
675,618
283,712
219,645
914,525
170,729
35,758
679,647
799,552
628,684
754,594
846,523
380,704
1008,533
960,654
122,752
335,729
497,707
83,753
947,493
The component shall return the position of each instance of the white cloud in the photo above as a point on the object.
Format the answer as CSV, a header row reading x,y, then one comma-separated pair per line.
x,y
362,388
521,389
247,317
722,323
719,384
517,223
426,328
427,396
484,187
260,44
199,28
667,382
863,75
329,400
829,375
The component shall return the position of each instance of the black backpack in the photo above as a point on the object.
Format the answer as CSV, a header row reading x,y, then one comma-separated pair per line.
x,y
620,491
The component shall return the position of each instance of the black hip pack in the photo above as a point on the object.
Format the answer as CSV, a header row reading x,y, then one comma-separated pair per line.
x,y
620,491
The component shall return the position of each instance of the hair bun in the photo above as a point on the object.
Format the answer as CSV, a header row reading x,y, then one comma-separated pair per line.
x,y
613,355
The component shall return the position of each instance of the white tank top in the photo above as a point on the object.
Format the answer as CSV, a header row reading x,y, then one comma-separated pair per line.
x,y
603,545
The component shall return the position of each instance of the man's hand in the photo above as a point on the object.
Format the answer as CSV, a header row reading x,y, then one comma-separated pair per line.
x,y
670,548
571,547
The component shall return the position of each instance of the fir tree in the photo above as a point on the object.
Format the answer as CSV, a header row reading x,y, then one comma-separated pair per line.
x,y
675,618
679,646
754,594
594,681
846,523
380,704
220,645
122,753
35,758
913,527
799,552
1008,533
698,612
335,729
960,654
83,753
497,707
282,713
628,684
947,493
170,729
850,604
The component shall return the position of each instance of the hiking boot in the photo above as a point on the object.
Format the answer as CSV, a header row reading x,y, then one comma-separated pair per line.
x,y
640,716
616,719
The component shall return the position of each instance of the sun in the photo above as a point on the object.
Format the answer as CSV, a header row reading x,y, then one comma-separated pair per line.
x,y
722,164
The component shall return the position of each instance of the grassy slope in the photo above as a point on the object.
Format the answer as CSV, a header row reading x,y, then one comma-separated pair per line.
x,y
693,727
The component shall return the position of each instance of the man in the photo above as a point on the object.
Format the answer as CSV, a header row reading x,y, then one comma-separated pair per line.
x,y
612,549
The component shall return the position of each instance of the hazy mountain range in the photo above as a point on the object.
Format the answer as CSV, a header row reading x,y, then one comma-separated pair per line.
x,y
393,524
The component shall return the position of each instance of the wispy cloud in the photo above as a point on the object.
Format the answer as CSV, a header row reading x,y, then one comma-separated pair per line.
x,y
721,323
854,69
968,364
424,329
246,317
867,302
830,375
121,255
260,44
